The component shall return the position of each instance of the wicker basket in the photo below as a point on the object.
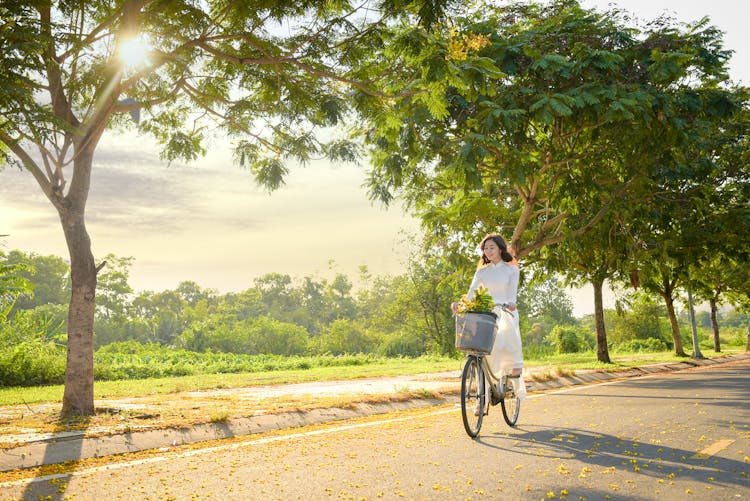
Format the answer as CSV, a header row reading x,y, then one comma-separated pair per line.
x,y
475,332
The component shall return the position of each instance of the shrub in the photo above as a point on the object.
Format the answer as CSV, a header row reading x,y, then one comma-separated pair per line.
x,y
344,336
641,345
267,335
568,339
402,344
734,336
132,360
32,363
251,336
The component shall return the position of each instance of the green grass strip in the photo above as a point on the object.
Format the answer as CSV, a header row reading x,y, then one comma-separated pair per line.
x,y
557,364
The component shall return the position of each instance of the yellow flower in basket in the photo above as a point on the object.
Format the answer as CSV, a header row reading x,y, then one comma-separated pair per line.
x,y
482,302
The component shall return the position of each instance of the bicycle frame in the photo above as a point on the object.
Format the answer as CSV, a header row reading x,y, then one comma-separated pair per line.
x,y
476,376
492,379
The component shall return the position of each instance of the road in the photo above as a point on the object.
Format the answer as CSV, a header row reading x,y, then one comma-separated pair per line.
x,y
682,435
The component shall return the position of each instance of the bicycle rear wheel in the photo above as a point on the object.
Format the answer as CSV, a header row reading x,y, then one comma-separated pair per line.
x,y
511,404
472,396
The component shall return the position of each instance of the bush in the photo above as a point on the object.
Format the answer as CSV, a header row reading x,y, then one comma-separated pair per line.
x,y
31,363
537,351
266,335
646,318
734,337
402,344
641,345
132,360
568,339
344,336
261,335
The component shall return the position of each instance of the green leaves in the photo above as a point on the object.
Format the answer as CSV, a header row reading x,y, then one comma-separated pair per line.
x,y
184,146
556,123
12,284
552,65
547,108
269,172
665,68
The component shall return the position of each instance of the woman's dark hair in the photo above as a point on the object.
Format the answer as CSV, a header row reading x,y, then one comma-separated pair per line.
x,y
504,254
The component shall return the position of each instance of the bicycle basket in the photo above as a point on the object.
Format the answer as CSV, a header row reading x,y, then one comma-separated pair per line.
x,y
475,332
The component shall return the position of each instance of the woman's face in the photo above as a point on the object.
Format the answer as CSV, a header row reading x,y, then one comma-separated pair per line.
x,y
492,251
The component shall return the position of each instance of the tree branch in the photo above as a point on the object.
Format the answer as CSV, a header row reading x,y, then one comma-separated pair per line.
x,y
32,167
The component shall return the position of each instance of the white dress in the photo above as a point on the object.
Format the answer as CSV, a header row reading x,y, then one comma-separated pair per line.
x,y
501,281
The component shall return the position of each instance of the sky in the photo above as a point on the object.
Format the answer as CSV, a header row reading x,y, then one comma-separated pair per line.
x,y
208,222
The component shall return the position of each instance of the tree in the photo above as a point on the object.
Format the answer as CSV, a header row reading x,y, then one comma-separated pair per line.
x,y
48,275
339,299
436,277
344,335
13,283
113,288
536,114
277,293
599,255
694,209
192,293
725,268
714,279
269,73
639,317
542,118
547,297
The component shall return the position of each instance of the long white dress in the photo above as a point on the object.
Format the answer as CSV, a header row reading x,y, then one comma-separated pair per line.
x,y
501,281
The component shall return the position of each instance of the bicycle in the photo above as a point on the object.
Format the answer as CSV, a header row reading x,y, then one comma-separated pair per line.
x,y
475,336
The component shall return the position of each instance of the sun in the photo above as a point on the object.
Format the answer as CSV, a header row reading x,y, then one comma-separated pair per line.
x,y
133,53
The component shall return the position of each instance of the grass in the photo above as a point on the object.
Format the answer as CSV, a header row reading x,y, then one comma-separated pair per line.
x,y
568,362
547,367
154,386
219,417
158,403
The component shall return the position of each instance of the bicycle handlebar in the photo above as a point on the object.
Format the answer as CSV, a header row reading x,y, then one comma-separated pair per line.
x,y
505,307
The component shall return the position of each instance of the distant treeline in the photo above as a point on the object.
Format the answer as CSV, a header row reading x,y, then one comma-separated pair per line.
x,y
304,321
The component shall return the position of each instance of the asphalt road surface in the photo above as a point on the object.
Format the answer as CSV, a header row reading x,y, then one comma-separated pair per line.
x,y
682,435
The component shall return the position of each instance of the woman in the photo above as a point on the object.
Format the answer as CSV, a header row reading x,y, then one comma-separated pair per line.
x,y
498,273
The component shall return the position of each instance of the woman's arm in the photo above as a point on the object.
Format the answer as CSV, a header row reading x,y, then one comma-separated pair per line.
x,y
475,283
515,275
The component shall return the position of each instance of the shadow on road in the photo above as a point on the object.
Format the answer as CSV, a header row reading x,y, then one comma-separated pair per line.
x,y
649,458
603,450
52,487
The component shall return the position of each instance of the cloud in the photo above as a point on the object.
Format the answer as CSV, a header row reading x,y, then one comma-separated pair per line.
x,y
208,221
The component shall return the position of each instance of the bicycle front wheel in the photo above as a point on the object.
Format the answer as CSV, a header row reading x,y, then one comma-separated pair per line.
x,y
472,396
511,405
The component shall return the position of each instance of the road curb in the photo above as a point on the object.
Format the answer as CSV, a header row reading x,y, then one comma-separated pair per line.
x,y
71,446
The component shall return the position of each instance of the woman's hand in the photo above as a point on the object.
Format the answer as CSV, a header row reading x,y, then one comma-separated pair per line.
x,y
454,307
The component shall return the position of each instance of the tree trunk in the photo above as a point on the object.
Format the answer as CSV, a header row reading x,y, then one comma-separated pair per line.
x,y
678,350
602,351
747,346
78,397
715,325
